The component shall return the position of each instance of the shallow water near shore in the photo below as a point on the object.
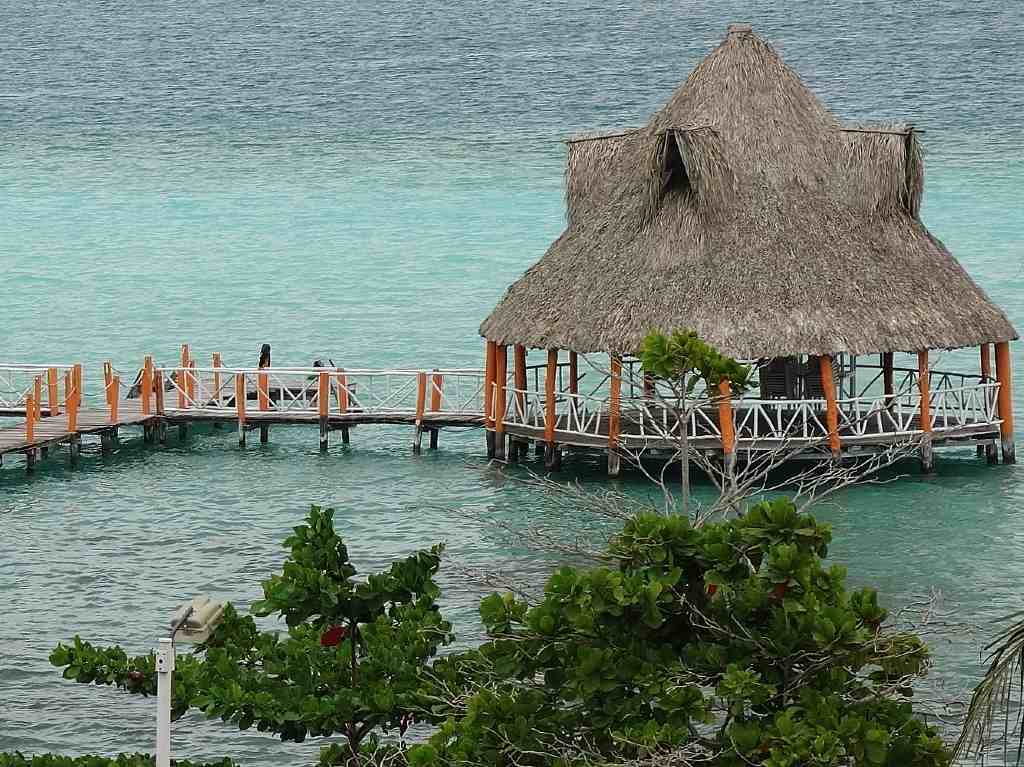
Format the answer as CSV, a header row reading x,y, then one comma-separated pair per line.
x,y
363,183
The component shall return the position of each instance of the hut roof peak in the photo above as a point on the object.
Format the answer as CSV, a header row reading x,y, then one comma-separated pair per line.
x,y
746,211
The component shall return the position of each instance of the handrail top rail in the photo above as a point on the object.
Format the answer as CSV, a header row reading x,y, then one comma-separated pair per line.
x,y
225,369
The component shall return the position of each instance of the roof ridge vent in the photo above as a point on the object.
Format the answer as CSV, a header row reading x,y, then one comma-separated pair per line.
x,y
739,29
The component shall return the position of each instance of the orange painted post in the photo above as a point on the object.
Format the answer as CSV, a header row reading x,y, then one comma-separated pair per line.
x,y
986,363
421,406
500,383
519,366
1005,402
146,385
216,377
72,397
614,396
323,401
550,416
421,396
158,390
828,386
78,388
240,395
436,391
193,380
323,394
342,391
887,377
489,359
574,377
108,374
725,423
53,396
924,386
263,391
30,419
115,397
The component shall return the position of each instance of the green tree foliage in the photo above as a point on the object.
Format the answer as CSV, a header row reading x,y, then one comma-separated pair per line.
x,y
349,664
683,354
730,642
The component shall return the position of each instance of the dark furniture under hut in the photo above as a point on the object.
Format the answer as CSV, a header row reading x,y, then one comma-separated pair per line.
x,y
746,211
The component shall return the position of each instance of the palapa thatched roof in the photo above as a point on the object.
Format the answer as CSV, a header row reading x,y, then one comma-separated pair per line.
x,y
746,211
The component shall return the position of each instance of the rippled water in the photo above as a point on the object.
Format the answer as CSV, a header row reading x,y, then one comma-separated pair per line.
x,y
363,182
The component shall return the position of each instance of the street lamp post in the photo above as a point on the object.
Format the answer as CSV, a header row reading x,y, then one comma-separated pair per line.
x,y
195,622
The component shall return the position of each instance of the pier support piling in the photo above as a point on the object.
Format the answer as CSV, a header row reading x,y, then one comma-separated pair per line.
x,y
241,433
106,443
31,457
344,435
552,456
991,452
614,463
161,432
417,440
74,449
182,432
433,438
927,455
264,433
324,432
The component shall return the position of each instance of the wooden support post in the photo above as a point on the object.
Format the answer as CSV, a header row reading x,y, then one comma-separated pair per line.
x,y
106,442
146,385
574,373
552,451
158,390
614,395
37,395
436,403
323,399
925,411
518,446
31,457
726,426
1005,401
828,386
887,377
342,391
648,385
500,397
183,378
30,419
216,377
490,354
182,432
240,395
74,449
343,402
421,404
71,399
263,394
108,375
53,396
990,450
115,397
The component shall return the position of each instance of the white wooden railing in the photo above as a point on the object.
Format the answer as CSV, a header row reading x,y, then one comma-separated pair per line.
x,y
18,383
754,419
297,391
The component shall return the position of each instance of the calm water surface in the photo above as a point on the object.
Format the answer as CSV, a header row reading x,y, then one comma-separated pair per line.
x,y
363,181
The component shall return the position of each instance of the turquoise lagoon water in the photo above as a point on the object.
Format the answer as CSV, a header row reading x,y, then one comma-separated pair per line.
x,y
363,182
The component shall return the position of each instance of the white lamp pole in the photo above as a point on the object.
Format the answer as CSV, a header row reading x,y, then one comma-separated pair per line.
x,y
196,621
164,685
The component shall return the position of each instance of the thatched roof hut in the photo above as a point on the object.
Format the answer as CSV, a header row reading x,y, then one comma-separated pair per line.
x,y
746,211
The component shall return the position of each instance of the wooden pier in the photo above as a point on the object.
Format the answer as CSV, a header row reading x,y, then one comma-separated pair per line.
x,y
544,404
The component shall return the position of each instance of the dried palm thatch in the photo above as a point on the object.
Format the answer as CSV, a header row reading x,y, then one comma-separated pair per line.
x,y
746,211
